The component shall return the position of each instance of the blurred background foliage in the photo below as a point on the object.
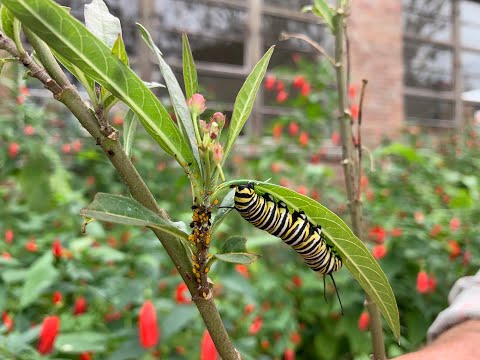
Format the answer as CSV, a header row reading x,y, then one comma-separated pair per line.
x,y
421,200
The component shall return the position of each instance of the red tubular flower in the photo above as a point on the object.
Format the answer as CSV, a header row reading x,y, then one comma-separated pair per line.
x,y
422,282
270,82
354,110
282,96
352,91
293,128
31,246
147,325
455,224
364,321
181,294
378,234
28,130
296,338
454,249
85,356
432,283
336,138
80,306
48,334
13,149
305,90
298,81
242,270
435,230
249,308
280,85
289,354
256,325
396,232
57,298
57,248
277,131
7,321
297,281
207,348
9,235
302,189
303,138
379,251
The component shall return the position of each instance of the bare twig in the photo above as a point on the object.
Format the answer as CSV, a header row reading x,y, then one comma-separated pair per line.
x,y
307,39
358,144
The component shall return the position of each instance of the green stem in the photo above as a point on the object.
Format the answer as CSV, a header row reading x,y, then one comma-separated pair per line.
x,y
220,171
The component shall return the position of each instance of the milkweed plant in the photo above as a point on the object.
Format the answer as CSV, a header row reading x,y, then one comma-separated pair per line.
x,y
96,56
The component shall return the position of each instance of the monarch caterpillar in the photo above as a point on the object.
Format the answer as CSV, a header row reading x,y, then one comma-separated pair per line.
x,y
265,213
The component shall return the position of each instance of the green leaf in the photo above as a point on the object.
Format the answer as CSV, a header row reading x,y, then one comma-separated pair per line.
x,y
225,207
354,254
323,9
70,38
178,318
407,152
6,21
123,210
235,251
3,61
40,276
244,101
177,98
79,342
129,130
106,254
119,50
189,69
101,23
237,258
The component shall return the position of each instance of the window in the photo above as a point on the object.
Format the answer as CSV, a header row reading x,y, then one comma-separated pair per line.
x,y
436,34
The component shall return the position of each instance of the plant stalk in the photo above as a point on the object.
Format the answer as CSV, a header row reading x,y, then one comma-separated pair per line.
x,y
351,168
69,96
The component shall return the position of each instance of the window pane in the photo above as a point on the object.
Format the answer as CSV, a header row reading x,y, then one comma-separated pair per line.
x,y
417,108
471,83
431,8
427,66
429,28
220,88
470,35
470,12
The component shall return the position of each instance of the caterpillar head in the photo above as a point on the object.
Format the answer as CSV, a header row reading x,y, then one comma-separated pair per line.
x,y
246,189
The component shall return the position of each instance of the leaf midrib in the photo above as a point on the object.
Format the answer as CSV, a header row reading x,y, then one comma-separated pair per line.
x,y
104,76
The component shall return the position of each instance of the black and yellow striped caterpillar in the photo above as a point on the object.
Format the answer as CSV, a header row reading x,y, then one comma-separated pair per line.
x,y
265,213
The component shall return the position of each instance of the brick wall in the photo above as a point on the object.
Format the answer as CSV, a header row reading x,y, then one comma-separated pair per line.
x,y
375,33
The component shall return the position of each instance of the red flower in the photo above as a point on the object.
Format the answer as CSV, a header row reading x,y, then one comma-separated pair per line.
x,y
352,91
6,255
298,81
57,248
275,167
297,281
419,216
13,149
7,321
256,325
455,224
31,246
277,131
293,128
77,145
364,321
354,110
396,232
67,148
270,82
296,57
336,138
242,270
467,256
207,348
9,236
249,309
435,230
147,325
85,356
57,297
118,120
265,344
80,306
181,294
432,283
282,95
28,130
378,234
296,338
48,334
363,182
289,354
302,189
379,251
305,90
303,138
280,85
454,249
422,282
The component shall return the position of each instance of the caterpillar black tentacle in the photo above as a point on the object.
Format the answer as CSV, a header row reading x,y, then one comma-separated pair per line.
x,y
266,213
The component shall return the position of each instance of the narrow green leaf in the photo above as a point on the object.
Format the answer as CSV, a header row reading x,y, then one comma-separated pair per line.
x,y
6,21
70,38
119,50
354,254
78,342
129,130
244,101
224,209
123,210
177,98
40,276
324,10
237,258
101,23
189,69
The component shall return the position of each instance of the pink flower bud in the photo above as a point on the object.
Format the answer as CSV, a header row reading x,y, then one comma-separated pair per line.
x,y
214,130
217,152
204,127
196,104
219,118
